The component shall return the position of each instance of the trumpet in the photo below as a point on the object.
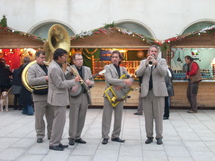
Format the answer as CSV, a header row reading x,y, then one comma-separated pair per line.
x,y
150,63
46,63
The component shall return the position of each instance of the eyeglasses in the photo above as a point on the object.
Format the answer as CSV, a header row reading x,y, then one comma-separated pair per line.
x,y
78,59
42,57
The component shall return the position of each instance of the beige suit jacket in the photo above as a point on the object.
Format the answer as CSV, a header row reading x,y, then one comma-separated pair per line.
x,y
86,73
158,74
58,94
36,76
112,77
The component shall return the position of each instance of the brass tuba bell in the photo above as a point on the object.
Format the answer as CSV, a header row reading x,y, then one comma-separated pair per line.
x,y
58,37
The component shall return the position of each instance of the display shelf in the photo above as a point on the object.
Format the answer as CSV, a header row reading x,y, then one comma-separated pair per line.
x,y
131,66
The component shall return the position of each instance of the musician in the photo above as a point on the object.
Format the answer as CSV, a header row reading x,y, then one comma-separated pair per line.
x,y
80,100
153,91
58,97
38,75
112,75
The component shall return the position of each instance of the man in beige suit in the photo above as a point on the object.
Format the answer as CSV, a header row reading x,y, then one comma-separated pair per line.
x,y
38,75
153,91
58,97
112,75
79,102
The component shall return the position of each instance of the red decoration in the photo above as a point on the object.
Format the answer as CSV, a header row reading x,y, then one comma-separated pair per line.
x,y
12,57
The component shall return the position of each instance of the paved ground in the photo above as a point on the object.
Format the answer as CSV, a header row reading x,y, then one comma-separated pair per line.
x,y
187,137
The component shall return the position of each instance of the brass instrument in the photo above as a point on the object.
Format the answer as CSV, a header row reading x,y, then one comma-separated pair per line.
x,y
116,96
25,79
58,37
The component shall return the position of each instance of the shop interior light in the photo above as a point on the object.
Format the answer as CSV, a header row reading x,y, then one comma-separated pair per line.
x,y
213,61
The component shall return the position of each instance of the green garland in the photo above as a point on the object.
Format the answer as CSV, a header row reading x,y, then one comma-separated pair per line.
x,y
3,22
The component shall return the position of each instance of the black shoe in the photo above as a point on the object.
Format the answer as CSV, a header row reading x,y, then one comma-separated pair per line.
x,y
138,113
39,140
159,141
63,146
49,138
105,141
118,140
58,148
80,141
149,140
71,142
165,118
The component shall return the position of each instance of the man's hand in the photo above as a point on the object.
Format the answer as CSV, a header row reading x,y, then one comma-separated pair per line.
x,y
88,82
128,82
77,79
47,78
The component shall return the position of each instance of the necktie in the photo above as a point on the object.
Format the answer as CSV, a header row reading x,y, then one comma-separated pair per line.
x,y
150,81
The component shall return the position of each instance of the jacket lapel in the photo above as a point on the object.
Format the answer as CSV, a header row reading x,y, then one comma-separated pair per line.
x,y
40,69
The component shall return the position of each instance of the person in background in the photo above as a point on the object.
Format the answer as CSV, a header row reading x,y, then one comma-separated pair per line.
x,y
153,91
38,75
112,75
16,88
170,90
5,80
140,106
25,96
193,75
79,104
58,97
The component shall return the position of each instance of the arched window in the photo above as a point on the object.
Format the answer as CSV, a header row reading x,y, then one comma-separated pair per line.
x,y
134,27
197,26
42,31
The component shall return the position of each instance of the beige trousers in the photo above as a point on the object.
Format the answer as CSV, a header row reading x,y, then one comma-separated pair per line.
x,y
107,117
77,115
58,125
41,109
153,108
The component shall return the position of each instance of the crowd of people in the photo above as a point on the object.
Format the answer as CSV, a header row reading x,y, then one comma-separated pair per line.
x,y
71,87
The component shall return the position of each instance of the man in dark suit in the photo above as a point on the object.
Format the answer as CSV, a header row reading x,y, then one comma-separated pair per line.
x,y
153,91
112,75
58,97
38,75
79,101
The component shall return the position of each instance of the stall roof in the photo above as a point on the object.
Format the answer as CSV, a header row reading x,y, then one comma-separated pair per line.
x,y
10,38
112,37
200,38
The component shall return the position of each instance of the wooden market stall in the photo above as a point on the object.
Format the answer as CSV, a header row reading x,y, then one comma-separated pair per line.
x,y
201,46
14,45
96,46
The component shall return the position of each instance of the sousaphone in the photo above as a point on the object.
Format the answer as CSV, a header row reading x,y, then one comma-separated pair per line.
x,y
58,37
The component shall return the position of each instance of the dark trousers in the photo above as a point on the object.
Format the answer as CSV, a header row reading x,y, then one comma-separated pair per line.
x,y
15,101
192,91
166,107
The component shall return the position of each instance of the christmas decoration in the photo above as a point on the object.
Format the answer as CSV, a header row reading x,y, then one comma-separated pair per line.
x,y
110,28
181,37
